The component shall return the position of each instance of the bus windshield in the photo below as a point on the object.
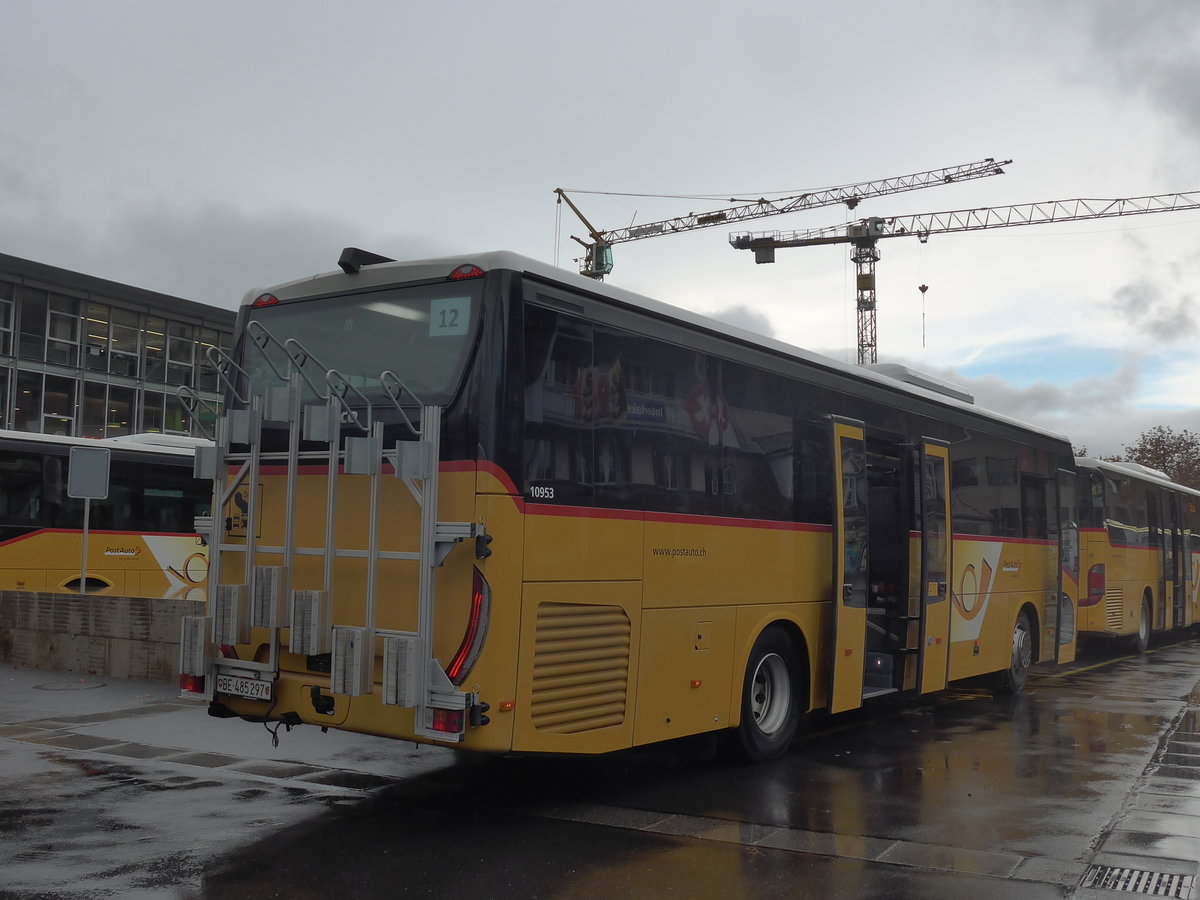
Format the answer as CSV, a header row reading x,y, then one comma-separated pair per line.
x,y
421,334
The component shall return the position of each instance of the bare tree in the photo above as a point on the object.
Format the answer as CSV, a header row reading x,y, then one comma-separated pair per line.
x,y
1175,453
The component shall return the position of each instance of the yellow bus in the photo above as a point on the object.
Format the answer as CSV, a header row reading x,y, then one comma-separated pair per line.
x,y
1140,549
141,538
483,502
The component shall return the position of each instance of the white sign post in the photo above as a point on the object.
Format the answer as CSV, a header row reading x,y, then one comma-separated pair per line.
x,y
87,479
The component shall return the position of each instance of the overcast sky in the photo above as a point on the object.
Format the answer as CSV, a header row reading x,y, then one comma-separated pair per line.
x,y
204,149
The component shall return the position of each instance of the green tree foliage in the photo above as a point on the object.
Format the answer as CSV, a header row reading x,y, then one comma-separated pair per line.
x,y
1175,453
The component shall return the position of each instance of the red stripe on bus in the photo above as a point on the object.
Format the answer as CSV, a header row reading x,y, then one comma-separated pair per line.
x,y
589,512
500,475
582,512
770,524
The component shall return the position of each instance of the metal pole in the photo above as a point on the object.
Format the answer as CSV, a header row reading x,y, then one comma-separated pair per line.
x,y
87,515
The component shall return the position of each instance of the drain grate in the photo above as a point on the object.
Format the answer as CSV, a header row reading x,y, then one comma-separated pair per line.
x,y
1137,881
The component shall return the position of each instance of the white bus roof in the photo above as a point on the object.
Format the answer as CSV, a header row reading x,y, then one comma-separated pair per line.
x,y
1137,470
382,274
169,444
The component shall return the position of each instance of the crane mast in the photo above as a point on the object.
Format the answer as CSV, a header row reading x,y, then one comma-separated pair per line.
x,y
864,235
598,261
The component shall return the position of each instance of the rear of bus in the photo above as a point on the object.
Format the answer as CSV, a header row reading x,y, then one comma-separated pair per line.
x,y
366,519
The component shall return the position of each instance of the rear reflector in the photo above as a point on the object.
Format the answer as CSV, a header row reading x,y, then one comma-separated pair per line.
x,y
448,721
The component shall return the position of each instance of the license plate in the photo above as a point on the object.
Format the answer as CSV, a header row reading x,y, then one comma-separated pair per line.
x,y
244,687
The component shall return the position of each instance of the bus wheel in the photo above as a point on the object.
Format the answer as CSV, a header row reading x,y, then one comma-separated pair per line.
x,y
1013,678
1141,640
771,698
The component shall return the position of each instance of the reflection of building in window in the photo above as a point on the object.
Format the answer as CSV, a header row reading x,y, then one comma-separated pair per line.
x,y
647,378
578,468
965,472
1128,518
612,461
986,496
1034,514
669,470
1001,471
541,459
729,480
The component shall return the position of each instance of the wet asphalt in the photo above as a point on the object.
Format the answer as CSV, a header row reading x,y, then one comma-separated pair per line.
x,y
1086,785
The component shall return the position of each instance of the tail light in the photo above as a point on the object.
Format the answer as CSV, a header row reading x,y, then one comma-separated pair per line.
x,y
448,721
1095,585
472,643
466,271
192,684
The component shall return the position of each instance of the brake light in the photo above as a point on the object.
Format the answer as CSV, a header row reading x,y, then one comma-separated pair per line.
x,y
472,643
448,721
192,684
466,271
265,300
1095,585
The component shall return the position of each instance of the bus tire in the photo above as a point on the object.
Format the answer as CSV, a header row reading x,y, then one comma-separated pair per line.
x,y
1141,638
1013,678
772,698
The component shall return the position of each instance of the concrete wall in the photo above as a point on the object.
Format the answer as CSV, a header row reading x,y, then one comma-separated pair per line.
x,y
96,634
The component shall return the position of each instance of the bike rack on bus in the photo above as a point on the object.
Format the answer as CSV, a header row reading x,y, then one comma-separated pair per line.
x,y
265,598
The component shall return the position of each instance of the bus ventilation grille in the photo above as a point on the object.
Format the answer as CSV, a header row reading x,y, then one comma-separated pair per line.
x,y
1137,881
1114,609
580,667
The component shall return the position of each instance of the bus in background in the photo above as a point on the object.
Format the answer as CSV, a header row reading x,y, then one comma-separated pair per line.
x,y
142,540
1140,551
483,502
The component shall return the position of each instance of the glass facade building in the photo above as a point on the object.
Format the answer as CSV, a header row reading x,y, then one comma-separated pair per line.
x,y
93,358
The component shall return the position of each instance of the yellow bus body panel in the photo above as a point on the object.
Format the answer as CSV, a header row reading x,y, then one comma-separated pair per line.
x,y
119,563
1130,573
994,578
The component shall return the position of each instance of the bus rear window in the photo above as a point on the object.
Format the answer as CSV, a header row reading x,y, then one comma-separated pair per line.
x,y
421,334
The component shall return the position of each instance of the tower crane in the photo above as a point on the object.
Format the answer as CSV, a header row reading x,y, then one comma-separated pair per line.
x,y
864,235
598,261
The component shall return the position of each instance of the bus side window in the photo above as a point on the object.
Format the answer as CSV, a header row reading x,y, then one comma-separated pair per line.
x,y
1034,515
813,460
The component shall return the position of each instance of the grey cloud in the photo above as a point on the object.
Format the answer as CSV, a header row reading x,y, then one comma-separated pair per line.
x,y
213,254
1047,403
1145,305
1096,412
742,316
1147,49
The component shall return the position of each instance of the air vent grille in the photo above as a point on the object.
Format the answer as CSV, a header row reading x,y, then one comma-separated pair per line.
x,y
580,667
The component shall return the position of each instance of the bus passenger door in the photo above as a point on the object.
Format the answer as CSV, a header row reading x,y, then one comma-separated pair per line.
x,y
1068,568
1183,558
1176,569
935,564
1158,537
849,565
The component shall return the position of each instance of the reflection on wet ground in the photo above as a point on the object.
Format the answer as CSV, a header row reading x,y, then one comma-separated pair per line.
x,y
966,792
957,794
